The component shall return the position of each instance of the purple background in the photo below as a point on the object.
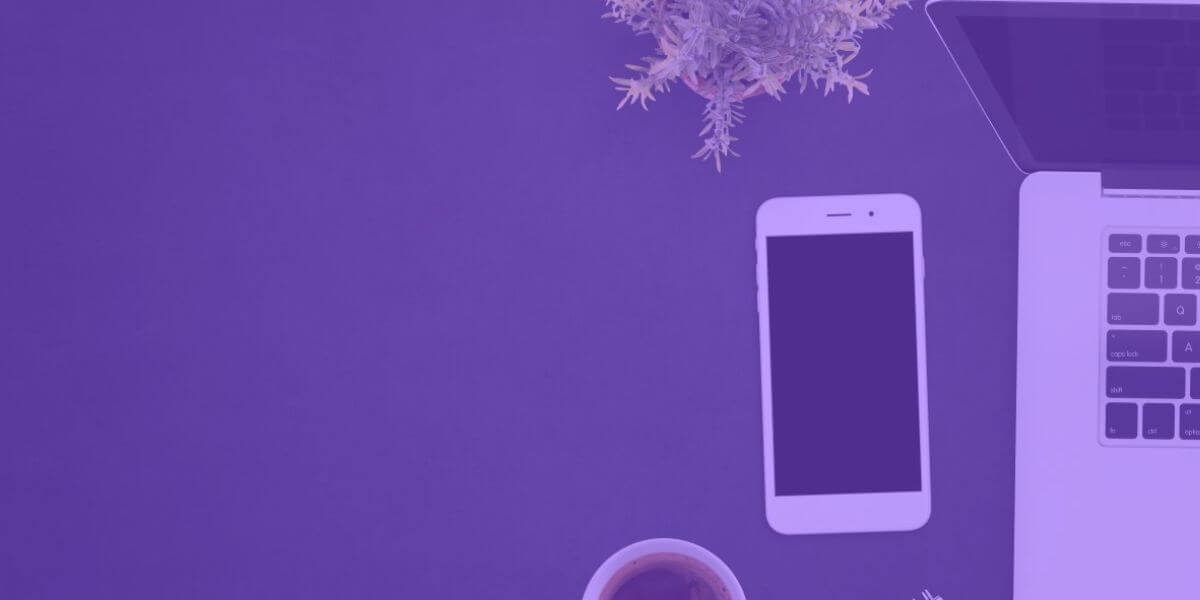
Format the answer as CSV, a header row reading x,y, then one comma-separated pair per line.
x,y
383,300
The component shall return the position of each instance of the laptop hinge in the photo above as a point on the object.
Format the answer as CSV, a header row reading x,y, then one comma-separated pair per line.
x,y
1151,183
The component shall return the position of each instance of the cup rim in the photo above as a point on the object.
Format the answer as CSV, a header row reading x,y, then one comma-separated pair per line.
x,y
653,546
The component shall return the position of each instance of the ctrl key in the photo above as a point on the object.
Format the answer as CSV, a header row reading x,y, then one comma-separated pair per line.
x,y
1158,421
1121,420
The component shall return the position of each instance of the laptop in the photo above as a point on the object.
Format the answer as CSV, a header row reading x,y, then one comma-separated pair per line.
x,y
1099,103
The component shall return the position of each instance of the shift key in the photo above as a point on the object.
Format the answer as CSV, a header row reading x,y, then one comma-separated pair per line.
x,y
1145,382
1133,309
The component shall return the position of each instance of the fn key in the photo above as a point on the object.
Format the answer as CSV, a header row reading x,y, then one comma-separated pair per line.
x,y
1121,420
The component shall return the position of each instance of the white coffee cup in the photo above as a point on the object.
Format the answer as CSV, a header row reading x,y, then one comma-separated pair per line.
x,y
627,555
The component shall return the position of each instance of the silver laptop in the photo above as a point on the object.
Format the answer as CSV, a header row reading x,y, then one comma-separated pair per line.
x,y
1099,103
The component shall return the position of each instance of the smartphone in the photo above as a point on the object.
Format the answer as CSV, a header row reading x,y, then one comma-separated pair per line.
x,y
841,314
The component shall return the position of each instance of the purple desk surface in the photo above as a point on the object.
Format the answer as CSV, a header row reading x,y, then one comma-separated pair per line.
x,y
385,300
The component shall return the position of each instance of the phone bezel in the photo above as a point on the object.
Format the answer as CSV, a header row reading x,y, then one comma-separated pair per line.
x,y
825,215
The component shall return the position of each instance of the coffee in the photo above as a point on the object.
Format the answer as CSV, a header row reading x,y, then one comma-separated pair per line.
x,y
665,576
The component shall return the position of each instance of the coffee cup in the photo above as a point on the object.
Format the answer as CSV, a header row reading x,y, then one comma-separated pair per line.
x,y
663,569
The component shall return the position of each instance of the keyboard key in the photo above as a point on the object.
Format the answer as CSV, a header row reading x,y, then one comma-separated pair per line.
x,y
1128,123
1180,80
1190,104
1132,80
1162,123
1162,244
1185,348
1191,273
1133,309
1133,345
1156,31
1161,272
1185,56
1122,104
1125,242
1159,104
1179,309
1124,272
1135,55
1191,244
1158,421
1145,382
1189,421
1120,420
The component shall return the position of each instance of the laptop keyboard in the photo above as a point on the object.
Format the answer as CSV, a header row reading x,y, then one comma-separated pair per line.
x,y
1151,351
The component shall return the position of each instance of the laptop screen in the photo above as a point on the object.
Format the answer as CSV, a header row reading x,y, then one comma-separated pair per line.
x,y
1083,86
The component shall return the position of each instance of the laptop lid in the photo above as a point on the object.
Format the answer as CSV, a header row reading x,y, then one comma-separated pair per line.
x,y
1083,86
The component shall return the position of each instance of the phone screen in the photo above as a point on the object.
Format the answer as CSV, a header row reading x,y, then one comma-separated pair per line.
x,y
843,344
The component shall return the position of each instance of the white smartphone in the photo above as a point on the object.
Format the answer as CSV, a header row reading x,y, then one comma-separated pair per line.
x,y
841,313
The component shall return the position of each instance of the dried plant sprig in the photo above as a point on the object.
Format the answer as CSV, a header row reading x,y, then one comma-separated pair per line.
x,y
730,50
